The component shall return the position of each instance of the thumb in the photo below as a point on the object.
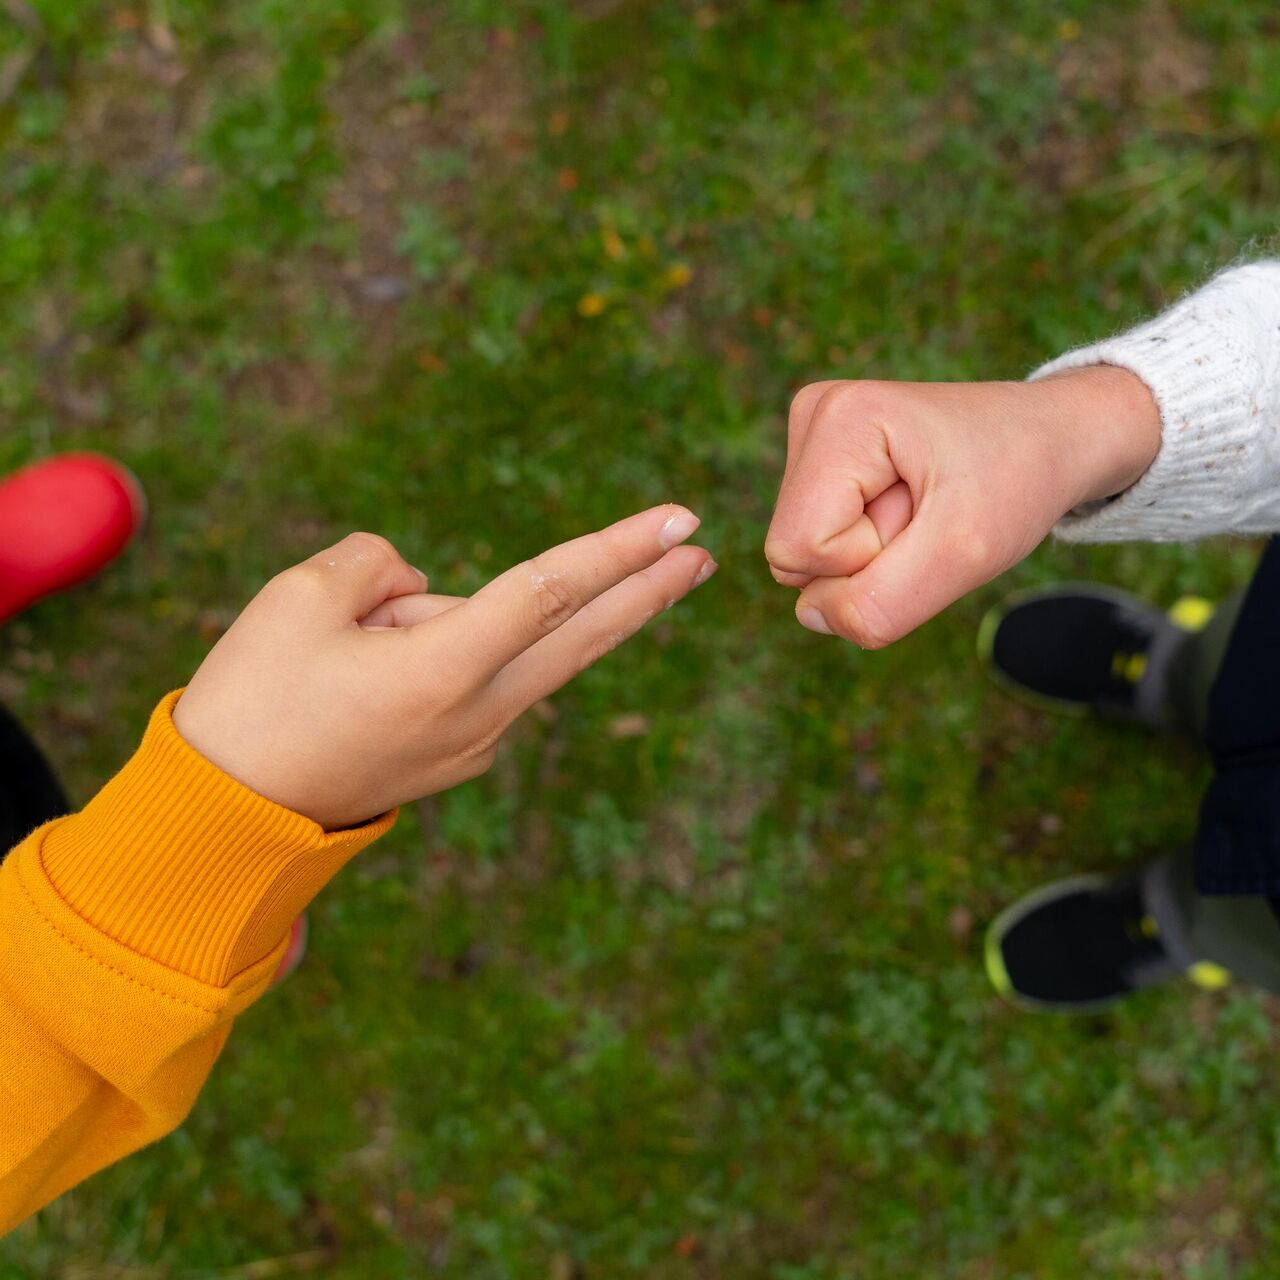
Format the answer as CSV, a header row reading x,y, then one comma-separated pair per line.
x,y
354,576
408,611
917,575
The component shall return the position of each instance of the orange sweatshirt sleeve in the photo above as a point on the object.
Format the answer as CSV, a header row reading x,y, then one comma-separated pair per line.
x,y
131,935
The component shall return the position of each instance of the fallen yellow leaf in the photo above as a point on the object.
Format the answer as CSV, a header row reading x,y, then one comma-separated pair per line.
x,y
612,242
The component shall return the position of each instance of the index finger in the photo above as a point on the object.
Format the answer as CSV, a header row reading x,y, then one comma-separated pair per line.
x,y
888,515
533,599
821,525
799,416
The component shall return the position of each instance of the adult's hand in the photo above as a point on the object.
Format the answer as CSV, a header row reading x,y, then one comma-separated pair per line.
x,y
900,497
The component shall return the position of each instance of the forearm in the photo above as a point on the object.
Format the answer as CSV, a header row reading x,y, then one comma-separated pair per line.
x,y
131,935
1212,366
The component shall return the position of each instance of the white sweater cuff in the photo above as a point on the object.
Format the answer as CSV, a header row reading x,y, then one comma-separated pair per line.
x,y
1212,363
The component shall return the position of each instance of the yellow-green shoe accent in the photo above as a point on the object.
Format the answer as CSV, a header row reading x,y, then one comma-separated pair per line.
x,y
993,958
1209,976
997,974
1129,666
1191,613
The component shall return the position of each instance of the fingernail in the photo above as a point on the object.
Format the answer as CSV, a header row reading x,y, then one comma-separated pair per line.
x,y
677,529
708,568
426,582
811,618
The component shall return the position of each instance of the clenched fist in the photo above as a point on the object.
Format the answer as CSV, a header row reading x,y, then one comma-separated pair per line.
x,y
900,497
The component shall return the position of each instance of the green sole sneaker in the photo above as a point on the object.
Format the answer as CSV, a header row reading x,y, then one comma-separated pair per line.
x,y
1077,946
1083,649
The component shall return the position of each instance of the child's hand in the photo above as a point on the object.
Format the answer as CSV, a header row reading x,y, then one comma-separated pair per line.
x,y
899,498
342,690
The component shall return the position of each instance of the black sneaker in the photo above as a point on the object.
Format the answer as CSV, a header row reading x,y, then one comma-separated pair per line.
x,y
1085,648
30,794
1082,944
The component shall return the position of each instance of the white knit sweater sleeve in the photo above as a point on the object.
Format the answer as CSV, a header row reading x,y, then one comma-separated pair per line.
x,y
1212,363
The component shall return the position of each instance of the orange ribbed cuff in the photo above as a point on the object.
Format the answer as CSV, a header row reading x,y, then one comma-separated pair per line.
x,y
185,865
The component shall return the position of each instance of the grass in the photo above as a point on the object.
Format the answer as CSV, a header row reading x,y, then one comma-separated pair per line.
x,y
690,985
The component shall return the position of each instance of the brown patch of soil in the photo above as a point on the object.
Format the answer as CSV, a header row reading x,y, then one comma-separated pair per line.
x,y
1145,71
480,112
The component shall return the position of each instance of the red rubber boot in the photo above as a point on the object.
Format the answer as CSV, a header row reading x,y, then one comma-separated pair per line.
x,y
61,521
293,952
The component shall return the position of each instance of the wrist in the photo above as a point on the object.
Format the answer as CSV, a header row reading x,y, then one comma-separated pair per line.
x,y
1108,429
184,865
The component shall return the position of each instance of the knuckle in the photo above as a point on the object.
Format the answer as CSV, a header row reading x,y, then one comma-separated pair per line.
x,y
370,546
481,754
843,398
606,637
873,638
599,647
300,582
622,563
791,553
804,400
554,602
865,623
975,549
854,403
614,560
861,393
